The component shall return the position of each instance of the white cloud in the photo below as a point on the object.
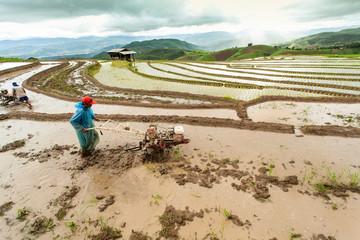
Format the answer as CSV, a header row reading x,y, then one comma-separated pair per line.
x,y
65,18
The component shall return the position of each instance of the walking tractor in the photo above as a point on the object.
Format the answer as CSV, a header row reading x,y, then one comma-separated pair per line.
x,y
6,98
154,140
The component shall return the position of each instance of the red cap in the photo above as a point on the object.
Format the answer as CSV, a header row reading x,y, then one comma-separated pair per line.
x,y
88,100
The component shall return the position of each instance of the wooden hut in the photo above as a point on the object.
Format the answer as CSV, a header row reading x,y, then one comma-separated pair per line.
x,y
122,54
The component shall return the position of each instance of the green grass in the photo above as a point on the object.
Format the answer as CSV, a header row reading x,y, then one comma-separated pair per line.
x,y
94,69
11,59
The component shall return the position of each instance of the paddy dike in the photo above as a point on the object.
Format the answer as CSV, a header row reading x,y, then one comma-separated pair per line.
x,y
197,121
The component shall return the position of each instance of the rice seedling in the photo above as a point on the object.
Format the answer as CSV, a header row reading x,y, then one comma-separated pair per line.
x,y
41,225
176,152
197,196
156,198
150,167
320,187
226,213
107,232
272,166
334,206
22,214
226,160
73,227
283,146
332,175
294,235
354,178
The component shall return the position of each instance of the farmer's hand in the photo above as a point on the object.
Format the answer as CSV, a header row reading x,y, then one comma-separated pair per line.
x,y
96,119
84,130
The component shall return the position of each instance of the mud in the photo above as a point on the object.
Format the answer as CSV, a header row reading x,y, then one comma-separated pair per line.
x,y
171,220
244,181
63,202
108,201
322,237
113,160
12,146
41,225
5,207
46,154
139,236
331,131
35,175
107,233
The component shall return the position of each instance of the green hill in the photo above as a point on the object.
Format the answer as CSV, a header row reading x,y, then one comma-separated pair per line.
x,y
240,53
326,39
160,54
160,43
102,56
157,49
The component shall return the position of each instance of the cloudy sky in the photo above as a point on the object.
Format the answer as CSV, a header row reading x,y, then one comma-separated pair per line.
x,y
20,19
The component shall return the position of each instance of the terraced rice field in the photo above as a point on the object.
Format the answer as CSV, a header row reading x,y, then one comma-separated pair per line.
x,y
246,80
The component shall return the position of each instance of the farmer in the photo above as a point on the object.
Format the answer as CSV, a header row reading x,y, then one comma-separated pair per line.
x,y
81,121
20,93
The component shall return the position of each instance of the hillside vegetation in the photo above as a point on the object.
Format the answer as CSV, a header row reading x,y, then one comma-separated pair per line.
x,y
326,39
174,49
160,43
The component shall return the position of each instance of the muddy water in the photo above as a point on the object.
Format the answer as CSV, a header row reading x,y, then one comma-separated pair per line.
x,y
299,114
33,184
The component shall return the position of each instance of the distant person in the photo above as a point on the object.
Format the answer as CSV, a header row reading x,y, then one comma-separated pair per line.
x,y
20,93
81,121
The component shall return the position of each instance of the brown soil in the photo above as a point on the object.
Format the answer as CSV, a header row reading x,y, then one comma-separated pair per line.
x,y
46,154
223,55
108,201
139,236
244,181
6,207
63,202
323,237
14,145
107,233
171,220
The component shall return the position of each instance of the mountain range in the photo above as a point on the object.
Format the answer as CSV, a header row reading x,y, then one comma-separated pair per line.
x,y
87,47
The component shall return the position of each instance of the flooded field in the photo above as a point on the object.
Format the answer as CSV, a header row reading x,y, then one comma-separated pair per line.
x,y
246,173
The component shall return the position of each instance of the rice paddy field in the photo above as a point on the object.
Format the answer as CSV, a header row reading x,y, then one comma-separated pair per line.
x,y
247,80
274,151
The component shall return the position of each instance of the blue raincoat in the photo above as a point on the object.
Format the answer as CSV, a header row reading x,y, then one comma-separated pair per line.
x,y
83,118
